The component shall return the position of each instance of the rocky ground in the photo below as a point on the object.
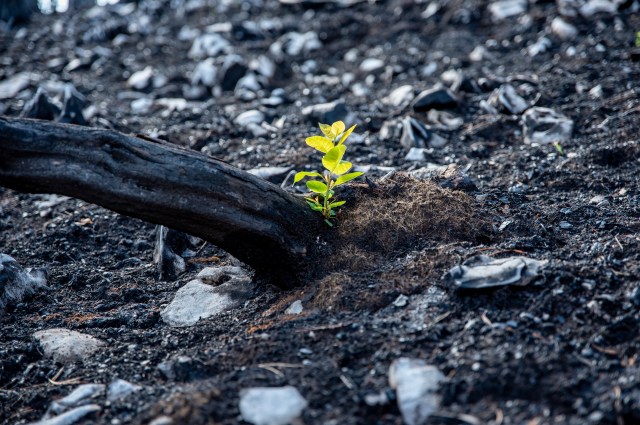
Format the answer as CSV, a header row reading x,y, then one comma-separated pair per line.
x,y
518,121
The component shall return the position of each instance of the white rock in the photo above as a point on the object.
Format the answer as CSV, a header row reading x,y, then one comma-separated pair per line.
x,y
563,29
10,87
197,300
415,383
205,73
119,388
400,97
295,308
542,45
593,7
415,154
141,79
510,99
249,117
208,45
504,9
271,405
371,65
66,346
295,43
142,105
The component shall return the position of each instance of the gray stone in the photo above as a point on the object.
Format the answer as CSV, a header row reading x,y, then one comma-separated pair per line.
x,y
72,106
540,46
371,65
507,98
271,405
295,43
249,117
66,346
401,301
437,97
544,125
205,73
70,417
40,107
208,45
501,10
16,282
199,300
295,308
119,388
81,395
399,97
414,134
140,80
415,154
10,87
563,29
593,7
416,383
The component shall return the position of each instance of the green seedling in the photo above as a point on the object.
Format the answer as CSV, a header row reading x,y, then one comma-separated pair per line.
x,y
559,148
335,173
638,39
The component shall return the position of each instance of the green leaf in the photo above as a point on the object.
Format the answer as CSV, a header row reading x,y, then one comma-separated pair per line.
x,y
327,131
347,134
337,204
328,222
333,157
337,128
347,177
320,143
316,186
342,167
314,207
332,213
302,174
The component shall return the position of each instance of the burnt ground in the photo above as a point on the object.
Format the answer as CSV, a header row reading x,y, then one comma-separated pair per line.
x,y
564,350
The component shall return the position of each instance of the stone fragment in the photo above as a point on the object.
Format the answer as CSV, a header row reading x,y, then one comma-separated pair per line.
x,y
438,97
593,7
540,46
501,10
140,80
183,369
414,134
399,97
295,43
563,29
10,87
295,308
416,155
209,46
482,271
506,97
205,73
40,107
233,69
72,106
197,300
271,405
16,282
416,383
370,65
66,346
545,125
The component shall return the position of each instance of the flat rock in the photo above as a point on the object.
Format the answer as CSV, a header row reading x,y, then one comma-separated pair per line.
x,y
10,87
198,300
65,346
482,271
504,9
271,405
70,417
415,383
438,97
119,389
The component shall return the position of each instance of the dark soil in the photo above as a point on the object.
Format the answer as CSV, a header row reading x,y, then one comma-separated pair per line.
x,y
562,351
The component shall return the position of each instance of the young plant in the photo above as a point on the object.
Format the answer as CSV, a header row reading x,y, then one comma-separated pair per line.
x,y
335,173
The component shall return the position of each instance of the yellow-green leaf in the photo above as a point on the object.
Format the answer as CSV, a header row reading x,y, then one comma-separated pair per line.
x,y
333,157
302,174
320,143
337,128
336,204
327,131
347,177
316,186
342,167
347,134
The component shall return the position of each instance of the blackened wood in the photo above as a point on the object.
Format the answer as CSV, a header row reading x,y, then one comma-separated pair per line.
x,y
259,223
